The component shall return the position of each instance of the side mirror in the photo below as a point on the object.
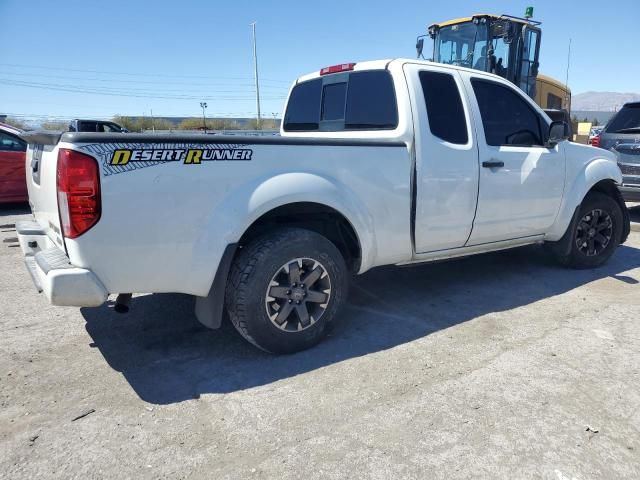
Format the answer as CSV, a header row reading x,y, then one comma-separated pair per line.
x,y
124,130
419,46
558,131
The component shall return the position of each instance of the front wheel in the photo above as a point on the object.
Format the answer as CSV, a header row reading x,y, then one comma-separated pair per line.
x,y
595,235
284,288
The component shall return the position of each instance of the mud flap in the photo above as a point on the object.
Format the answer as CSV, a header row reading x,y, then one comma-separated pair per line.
x,y
626,227
563,246
209,309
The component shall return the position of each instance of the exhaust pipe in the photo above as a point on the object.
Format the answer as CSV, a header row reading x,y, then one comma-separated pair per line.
x,y
122,303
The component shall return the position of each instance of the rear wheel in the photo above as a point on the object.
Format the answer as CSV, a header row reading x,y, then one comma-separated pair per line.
x,y
285,288
595,235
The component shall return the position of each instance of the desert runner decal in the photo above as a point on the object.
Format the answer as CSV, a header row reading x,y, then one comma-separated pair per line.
x,y
192,156
119,157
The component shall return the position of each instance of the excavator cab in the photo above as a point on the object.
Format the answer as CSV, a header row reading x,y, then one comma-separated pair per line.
x,y
501,44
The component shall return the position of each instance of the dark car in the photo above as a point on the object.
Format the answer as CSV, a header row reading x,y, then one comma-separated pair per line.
x,y
99,126
13,183
622,136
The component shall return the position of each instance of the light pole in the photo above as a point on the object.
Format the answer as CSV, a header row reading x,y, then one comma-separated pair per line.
x,y
203,105
255,70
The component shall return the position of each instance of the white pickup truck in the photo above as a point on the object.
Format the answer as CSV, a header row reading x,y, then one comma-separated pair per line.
x,y
383,162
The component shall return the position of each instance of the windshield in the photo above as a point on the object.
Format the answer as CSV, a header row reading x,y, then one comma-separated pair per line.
x,y
627,118
463,44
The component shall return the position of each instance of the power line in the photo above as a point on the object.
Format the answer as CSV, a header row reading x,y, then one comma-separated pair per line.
x,y
119,93
145,82
165,75
42,117
129,88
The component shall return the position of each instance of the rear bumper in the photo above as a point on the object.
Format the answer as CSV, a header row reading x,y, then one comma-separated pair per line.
x,y
53,274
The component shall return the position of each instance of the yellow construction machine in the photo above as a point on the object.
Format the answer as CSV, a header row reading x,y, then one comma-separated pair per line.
x,y
502,44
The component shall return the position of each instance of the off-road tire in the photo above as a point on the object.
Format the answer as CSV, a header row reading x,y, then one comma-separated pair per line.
x,y
250,278
567,251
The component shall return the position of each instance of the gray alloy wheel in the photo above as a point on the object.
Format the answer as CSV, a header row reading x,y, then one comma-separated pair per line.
x,y
298,294
285,289
594,232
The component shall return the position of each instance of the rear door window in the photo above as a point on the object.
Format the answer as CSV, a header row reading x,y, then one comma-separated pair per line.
x,y
626,120
351,101
88,127
444,107
9,143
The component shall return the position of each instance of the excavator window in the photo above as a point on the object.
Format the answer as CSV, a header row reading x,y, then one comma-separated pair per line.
x,y
463,44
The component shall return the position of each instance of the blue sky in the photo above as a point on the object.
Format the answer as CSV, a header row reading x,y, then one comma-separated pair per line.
x,y
167,56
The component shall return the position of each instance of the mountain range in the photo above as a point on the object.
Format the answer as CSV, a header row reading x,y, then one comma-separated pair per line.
x,y
602,101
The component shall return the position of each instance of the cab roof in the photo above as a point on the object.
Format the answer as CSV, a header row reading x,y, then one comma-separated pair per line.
x,y
368,65
493,16
385,65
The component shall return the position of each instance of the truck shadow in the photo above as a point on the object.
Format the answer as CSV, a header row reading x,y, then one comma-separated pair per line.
x,y
7,209
167,356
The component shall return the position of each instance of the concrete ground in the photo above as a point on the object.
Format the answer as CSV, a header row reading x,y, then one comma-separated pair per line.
x,y
496,366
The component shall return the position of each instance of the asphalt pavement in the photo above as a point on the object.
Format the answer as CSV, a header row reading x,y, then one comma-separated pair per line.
x,y
496,366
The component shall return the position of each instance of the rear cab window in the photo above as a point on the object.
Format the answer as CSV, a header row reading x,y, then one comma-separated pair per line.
x,y
627,120
357,100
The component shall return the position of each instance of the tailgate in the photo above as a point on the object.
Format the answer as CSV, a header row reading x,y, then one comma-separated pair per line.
x,y
41,163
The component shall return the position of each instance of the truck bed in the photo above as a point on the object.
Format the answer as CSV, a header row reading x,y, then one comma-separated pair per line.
x,y
175,211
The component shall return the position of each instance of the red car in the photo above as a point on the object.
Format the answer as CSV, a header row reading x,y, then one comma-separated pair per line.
x,y
13,183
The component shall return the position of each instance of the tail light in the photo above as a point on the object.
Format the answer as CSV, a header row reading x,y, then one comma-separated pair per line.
x,y
78,192
343,67
595,141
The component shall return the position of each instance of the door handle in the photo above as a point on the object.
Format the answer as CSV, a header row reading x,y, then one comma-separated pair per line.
x,y
493,164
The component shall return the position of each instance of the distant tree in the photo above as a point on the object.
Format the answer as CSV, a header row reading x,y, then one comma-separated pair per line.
x,y
231,124
130,123
193,123
252,124
265,124
216,123
55,125
270,124
162,124
221,124
14,122
574,123
595,122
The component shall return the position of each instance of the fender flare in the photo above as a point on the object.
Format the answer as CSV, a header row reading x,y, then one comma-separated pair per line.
x,y
229,220
592,173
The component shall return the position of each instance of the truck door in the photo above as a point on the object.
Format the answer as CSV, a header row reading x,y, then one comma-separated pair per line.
x,y
521,180
446,176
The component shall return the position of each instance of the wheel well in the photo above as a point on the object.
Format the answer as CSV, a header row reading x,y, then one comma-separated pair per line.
x,y
609,187
312,216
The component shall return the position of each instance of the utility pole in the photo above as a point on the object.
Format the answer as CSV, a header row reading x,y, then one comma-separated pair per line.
x,y
203,105
255,70
153,126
